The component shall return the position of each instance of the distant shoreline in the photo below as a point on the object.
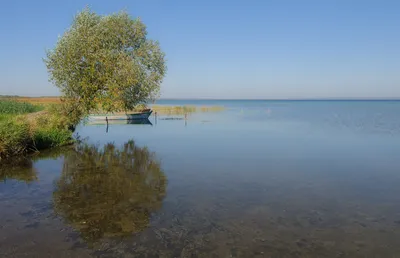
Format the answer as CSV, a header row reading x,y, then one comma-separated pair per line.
x,y
227,99
313,99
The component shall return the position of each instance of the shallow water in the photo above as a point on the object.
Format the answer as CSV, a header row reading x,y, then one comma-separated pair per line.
x,y
259,179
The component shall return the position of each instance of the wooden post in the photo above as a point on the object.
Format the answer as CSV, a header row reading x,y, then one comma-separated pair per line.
x,y
185,119
107,125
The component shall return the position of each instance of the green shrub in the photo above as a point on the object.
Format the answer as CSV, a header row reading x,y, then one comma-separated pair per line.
x,y
15,107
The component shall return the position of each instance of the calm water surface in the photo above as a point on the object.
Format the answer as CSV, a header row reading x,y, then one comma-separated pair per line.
x,y
259,179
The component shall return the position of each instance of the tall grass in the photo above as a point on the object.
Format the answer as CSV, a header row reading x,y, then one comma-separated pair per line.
x,y
15,107
51,137
14,136
4,117
23,130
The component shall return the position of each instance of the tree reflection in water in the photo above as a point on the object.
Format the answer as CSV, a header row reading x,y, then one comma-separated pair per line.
x,y
109,192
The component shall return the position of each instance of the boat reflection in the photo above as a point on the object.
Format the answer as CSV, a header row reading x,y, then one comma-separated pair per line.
x,y
109,192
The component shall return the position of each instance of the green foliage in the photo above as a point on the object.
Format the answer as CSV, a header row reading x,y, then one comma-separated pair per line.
x,y
62,117
105,62
51,130
51,137
14,136
141,106
34,131
15,107
109,192
54,118
4,117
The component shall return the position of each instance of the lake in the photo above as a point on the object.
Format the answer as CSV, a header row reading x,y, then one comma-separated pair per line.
x,y
258,179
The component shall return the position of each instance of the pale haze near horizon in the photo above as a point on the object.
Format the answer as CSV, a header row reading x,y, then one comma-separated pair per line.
x,y
228,49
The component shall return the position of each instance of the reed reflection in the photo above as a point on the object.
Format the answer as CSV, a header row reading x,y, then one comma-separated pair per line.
x,y
20,169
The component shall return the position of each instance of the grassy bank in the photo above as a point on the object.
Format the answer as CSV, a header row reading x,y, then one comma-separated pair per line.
x,y
26,128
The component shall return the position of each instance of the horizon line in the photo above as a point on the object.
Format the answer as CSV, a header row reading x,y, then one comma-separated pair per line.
x,y
317,98
191,98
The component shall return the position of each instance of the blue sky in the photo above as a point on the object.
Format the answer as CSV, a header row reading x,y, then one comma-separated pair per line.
x,y
228,49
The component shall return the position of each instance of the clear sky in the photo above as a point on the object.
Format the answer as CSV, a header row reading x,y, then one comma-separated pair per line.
x,y
228,48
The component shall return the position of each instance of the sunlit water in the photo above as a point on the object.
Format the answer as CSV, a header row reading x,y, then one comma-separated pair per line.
x,y
259,179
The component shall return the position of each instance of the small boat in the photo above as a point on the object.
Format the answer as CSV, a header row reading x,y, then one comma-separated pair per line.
x,y
143,114
121,122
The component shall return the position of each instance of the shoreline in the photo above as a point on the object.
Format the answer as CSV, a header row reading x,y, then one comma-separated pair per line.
x,y
56,99
26,132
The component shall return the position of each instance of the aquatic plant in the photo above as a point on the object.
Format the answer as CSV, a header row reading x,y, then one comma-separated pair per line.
x,y
51,137
182,110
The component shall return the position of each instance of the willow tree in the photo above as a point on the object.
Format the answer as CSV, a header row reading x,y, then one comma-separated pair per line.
x,y
106,63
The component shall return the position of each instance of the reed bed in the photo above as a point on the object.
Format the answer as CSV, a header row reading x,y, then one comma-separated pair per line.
x,y
39,100
182,110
